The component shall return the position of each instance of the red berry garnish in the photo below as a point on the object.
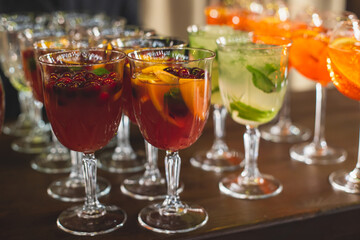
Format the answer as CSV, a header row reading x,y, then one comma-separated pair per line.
x,y
92,85
73,85
109,81
79,79
183,73
60,85
66,74
112,75
53,76
90,76
197,72
65,80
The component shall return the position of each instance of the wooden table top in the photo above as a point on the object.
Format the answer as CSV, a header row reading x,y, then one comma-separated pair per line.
x,y
308,207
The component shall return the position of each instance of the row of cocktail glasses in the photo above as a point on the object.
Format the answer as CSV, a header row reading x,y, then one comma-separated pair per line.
x,y
170,99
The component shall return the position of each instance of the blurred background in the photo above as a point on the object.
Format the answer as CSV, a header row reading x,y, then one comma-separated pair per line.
x,y
166,17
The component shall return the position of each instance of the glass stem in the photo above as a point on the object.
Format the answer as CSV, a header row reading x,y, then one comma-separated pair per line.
x,y
355,173
319,132
92,208
76,165
172,168
124,149
151,167
284,114
251,144
219,116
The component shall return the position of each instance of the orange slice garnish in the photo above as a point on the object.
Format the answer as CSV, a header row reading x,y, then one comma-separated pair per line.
x,y
195,93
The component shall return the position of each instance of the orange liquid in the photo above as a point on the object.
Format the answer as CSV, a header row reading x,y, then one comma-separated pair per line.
x,y
344,69
308,54
215,15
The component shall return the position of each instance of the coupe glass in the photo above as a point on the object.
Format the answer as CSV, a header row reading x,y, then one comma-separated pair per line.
x,y
71,188
253,81
308,56
219,158
171,100
343,65
150,185
82,96
25,122
56,158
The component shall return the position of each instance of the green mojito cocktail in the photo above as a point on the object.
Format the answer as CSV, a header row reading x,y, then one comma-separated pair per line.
x,y
253,84
219,157
252,81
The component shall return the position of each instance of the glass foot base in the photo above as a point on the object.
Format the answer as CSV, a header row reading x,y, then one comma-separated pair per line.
x,y
186,219
50,163
341,180
307,153
285,133
73,190
217,161
139,187
262,187
71,222
23,145
20,128
107,163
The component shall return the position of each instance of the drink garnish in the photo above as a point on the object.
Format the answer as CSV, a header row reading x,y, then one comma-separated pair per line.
x,y
260,78
100,71
250,113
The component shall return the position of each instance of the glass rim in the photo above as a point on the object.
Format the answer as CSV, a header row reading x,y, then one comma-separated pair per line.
x,y
185,42
191,30
220,42
42,58
139,51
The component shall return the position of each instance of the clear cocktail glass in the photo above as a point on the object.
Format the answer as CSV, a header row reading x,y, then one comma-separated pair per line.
x,y
219,158
72,187
252,83
308,56
171,99
82,96
150,185
343,66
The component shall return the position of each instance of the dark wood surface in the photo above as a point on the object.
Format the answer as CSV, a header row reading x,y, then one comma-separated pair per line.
x,y
308,207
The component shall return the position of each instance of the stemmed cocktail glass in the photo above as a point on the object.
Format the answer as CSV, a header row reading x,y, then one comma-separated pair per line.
x,y
252,84
82,96
56,158
219,158
343,65
71,188
150,185
2,105
308,56
25,122
171,100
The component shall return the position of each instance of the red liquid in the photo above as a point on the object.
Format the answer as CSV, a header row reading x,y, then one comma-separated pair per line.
x,y
84,111
32,73
126,96
171,123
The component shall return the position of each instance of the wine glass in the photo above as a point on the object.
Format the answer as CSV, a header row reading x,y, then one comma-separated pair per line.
x,y
219,158
56,158
308,56
82,95
150,185
71,188
252,84
171,100
24,122
343,62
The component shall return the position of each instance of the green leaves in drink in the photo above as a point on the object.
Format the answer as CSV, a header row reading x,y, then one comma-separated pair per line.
x,y
261,80
215,90
249,113
100,71
175,103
